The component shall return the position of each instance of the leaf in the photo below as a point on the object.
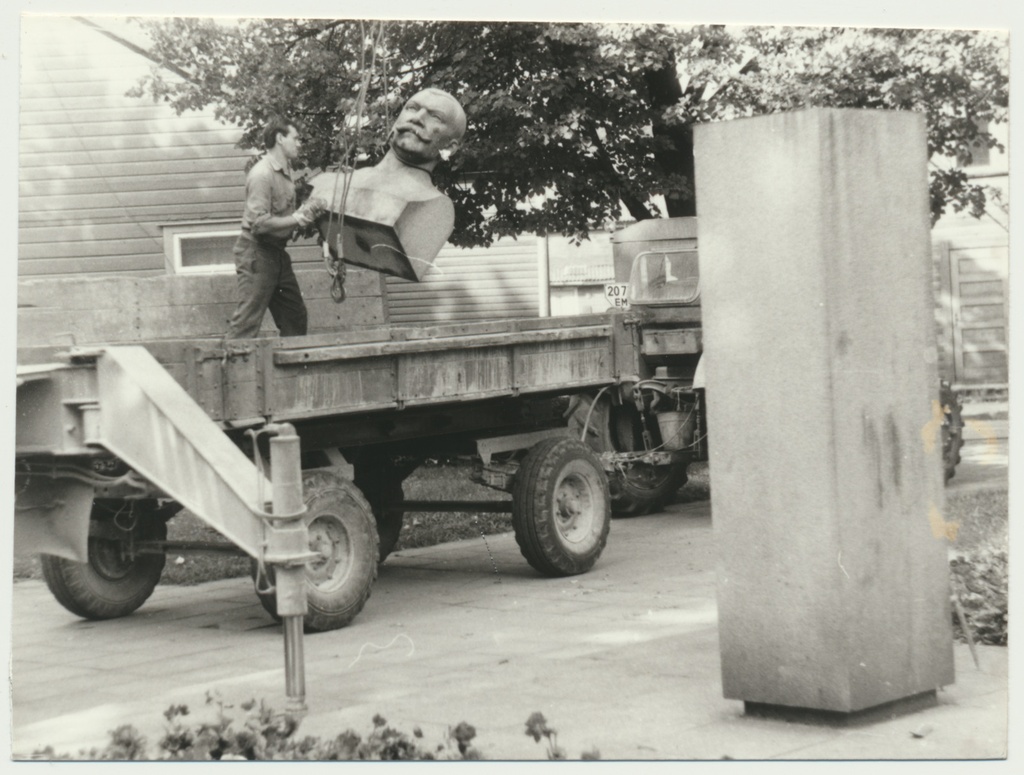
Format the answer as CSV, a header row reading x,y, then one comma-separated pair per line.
x,y
598,116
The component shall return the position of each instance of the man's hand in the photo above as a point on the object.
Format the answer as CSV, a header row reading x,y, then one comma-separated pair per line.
x,y
312,209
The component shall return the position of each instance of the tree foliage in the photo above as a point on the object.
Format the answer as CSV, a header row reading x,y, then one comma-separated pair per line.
x,y
571,123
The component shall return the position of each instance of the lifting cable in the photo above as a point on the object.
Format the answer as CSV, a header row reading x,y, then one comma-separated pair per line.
x,y
334,262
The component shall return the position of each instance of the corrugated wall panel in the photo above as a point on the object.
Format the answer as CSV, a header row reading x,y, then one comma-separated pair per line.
x,y
39,97
31,235
118,185
67,267
101,172
224,207
127,124
90,115
85,249
105,197
188,136
475,284
128,165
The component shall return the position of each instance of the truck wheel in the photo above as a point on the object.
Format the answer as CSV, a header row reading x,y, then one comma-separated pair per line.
x,y
111,583
342,529
561,507
952,429
639,488
382,488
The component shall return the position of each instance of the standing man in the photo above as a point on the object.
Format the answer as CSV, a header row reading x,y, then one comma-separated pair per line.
x,y
264,268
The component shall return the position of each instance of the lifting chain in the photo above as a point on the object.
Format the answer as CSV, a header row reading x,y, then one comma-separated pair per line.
x,y
334,261
335,270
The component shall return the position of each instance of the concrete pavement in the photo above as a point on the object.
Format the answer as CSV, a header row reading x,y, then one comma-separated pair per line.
x,y
623,659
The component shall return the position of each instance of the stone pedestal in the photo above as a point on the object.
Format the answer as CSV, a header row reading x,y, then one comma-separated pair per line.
x,y
822,389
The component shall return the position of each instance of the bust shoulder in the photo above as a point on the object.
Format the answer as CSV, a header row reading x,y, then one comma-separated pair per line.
x,y
408,183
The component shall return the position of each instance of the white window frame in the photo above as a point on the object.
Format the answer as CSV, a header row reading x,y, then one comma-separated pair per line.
x,y
176,233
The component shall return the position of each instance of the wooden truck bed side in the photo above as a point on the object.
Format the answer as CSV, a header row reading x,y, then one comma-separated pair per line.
x,y
363,368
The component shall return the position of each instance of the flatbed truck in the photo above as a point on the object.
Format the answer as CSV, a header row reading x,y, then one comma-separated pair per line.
x,y
573,417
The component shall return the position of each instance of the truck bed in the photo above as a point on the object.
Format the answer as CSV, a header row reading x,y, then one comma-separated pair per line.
x,y
388,367
355,361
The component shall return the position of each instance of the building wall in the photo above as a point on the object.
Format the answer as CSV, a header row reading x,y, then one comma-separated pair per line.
x,y
972,265
501,281
579,274
578,299
972,302
101,174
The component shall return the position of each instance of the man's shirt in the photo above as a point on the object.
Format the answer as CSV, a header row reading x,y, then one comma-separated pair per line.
x,y
269,192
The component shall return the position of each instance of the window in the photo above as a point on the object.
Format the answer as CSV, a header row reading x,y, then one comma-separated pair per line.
x,y
200,248
665,277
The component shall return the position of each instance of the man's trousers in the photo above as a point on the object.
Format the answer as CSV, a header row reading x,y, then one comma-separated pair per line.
x,y
265,281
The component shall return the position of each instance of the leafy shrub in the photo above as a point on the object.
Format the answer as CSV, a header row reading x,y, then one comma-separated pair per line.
x,y
263,734
980,577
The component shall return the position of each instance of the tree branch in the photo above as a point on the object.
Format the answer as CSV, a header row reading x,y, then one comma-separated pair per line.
x,y
312,33
633,203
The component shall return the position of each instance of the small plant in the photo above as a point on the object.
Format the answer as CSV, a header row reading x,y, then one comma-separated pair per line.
x,y
537,728
126,744
263,734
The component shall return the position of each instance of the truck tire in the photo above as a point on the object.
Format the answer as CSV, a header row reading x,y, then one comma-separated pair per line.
x,y
382,487
561,509
110,584
341,527
952,429
639,488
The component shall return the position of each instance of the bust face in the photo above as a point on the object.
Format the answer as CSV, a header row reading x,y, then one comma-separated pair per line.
x,y
429,123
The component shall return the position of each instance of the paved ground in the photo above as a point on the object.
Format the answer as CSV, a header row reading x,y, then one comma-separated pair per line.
x,y
623,659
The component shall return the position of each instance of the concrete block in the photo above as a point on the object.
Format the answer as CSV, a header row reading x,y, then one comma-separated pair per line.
x,y
130,309
822,390
316,284
325,315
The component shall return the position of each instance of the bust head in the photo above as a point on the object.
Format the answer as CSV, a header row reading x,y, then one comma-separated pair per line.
x,y
430,124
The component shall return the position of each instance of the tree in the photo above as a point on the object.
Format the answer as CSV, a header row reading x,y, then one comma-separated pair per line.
x,y
571,123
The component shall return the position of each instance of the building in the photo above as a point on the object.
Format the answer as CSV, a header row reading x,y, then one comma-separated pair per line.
x,y
972,279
